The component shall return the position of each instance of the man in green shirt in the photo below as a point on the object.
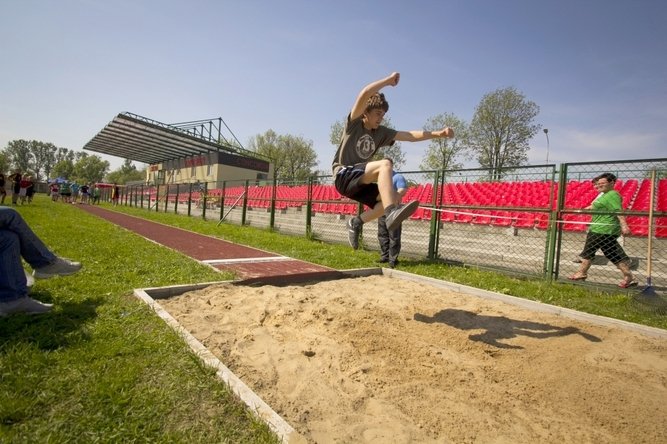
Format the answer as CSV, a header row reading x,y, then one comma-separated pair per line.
x,y
606,227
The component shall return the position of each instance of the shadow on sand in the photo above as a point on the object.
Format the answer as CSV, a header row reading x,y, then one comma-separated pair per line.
x,y
498,328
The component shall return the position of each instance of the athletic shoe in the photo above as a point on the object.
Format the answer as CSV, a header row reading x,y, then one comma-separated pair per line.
x,y
61,267
400,213
353,231
25,305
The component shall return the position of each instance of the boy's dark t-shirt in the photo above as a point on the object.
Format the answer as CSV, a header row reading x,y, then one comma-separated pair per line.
x,y
359,144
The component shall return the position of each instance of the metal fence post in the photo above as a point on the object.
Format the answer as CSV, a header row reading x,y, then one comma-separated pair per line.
x,y
222,200
552,229
309,208
204,201
190,199
557,237
245,203
434,228
272,218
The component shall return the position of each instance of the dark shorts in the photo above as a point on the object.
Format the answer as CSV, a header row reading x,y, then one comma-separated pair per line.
x,y
609,245
348,183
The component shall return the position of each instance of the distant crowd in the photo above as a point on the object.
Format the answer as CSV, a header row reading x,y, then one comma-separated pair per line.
x,y
22,187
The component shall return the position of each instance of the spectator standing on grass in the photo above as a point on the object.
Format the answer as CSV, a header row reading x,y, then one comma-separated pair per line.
x,y
23,188
604,231
115,194
363,180
84,190
18,241
75,192
16,185
54,191
96,194
390,241
3,191
65,192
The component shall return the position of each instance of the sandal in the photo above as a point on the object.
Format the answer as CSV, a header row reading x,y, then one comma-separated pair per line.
x,y
627,284
578,277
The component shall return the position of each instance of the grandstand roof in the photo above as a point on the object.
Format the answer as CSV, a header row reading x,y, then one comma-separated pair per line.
x,y
141,139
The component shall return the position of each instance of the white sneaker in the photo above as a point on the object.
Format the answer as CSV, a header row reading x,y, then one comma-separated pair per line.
x,y
26,305
61,267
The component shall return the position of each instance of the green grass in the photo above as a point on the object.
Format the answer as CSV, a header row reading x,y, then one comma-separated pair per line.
x,y
103,368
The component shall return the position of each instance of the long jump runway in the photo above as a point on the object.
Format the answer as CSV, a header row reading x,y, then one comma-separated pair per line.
x,y
248,263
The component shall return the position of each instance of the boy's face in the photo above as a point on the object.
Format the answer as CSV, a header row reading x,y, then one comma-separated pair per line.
x,y
373,118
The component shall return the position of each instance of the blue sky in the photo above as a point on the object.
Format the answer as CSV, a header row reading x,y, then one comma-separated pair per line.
x,y
596,68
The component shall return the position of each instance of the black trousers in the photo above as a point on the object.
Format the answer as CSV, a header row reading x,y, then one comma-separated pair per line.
x,y
390,242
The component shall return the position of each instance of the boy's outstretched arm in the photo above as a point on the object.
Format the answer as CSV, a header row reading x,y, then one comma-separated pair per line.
x,y
416,136
370,89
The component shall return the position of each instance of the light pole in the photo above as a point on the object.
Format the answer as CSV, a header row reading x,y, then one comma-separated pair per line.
x,y
546,133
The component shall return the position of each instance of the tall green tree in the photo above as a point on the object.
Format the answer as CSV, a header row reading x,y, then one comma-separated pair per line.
x,y
64,154
127,172
5,162
268,145
500,130
395,151
442,153
300,158
64,169
20,155
90,169
44,155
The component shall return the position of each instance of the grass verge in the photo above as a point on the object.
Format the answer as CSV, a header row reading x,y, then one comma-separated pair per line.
x,y
102,367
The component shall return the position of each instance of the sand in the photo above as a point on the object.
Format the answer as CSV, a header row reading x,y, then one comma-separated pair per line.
x,y
383,360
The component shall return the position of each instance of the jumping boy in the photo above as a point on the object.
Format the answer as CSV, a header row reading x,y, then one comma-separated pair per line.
x,y
370,182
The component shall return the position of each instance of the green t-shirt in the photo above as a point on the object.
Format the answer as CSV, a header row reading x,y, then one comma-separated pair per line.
x,y
607,223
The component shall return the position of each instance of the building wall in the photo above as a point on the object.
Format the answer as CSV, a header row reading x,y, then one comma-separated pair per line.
x,y
213,169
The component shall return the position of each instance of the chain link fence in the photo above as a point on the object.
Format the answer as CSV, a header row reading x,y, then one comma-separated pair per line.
x,y
519,220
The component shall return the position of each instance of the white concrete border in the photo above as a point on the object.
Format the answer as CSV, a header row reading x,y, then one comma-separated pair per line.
x,y
277,424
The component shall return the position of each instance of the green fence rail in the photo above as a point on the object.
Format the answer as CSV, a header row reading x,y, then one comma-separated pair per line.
x,y
532,221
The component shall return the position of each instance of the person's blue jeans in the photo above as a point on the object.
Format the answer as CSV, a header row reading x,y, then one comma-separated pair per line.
x,y
18,240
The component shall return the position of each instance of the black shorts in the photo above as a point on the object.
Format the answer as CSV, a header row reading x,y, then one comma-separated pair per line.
x,y
609,245
348,184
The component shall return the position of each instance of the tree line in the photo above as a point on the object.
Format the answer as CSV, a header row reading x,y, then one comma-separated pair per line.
x,y
497,137
44,161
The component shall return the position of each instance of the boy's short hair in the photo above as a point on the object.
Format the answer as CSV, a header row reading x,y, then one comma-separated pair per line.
x,y
377,100
609,176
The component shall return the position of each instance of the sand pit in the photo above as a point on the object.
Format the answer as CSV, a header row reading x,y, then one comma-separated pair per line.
x,y
383,360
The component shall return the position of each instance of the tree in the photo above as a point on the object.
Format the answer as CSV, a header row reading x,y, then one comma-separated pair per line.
x,y
500,130
442,153
20,155
64,169
293,157
267,144
90,169
64,154
299,158
4,162
395,152
44,155
126,173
